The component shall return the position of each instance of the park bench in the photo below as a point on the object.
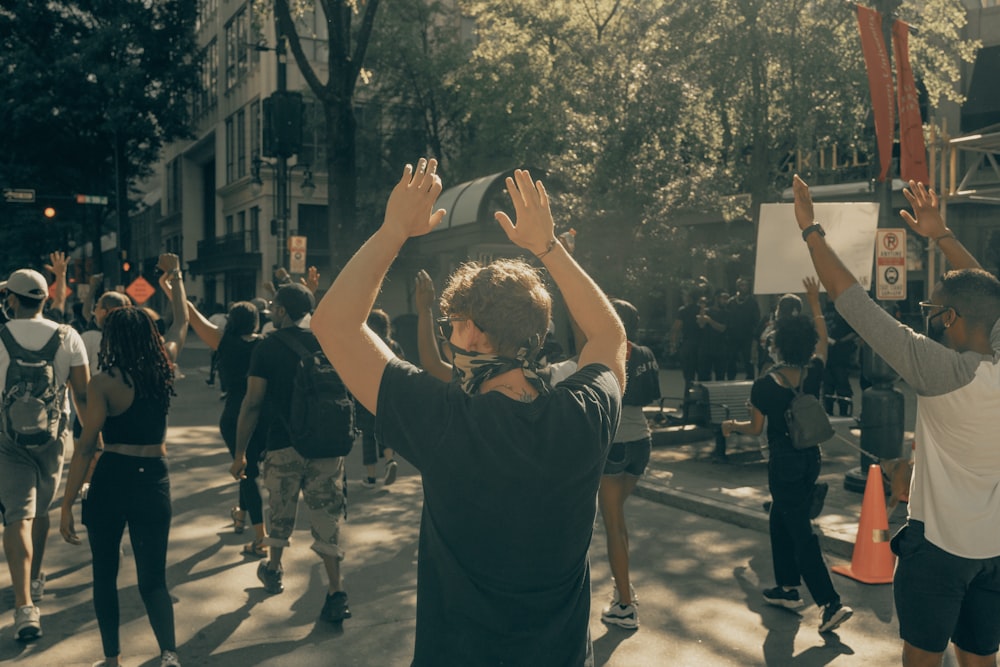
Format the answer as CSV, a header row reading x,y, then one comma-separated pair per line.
x,y
699,414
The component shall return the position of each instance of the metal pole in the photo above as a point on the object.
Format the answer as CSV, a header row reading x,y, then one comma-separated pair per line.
x,y
281,168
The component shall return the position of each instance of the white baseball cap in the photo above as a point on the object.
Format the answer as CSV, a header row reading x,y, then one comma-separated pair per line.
x,y
27,283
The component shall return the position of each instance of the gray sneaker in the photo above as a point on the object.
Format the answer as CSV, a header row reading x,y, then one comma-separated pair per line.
x,y
27,623
169,659
270,578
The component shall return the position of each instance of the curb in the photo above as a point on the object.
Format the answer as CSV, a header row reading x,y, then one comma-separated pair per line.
x,y
734,514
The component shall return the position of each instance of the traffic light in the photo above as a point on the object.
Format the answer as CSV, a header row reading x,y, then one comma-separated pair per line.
x,y
49,212
126,267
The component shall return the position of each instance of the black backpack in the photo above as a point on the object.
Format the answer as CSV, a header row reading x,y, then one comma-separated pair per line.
x,y
33,400
808,423
321,423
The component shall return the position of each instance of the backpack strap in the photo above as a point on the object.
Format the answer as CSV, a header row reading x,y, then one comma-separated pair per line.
x,y
46,353
789,385
298,348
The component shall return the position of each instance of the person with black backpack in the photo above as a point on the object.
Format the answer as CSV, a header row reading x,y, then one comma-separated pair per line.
x,y
39,359
311,429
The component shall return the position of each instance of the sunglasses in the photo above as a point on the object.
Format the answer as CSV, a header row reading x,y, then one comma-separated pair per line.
x,y
927,309
445,328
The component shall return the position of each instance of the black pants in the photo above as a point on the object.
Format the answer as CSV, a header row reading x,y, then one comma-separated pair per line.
x,y
132,491
250,499
791,477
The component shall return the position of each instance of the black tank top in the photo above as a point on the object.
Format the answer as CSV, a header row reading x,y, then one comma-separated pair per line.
x,y
144,423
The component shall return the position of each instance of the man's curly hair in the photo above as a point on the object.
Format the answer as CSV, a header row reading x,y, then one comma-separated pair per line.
x,y
506,299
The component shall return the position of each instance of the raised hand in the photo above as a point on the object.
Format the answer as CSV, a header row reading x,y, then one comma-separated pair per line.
x,y
535,229
408,211
804,215
58,263
926,219
424,294
311,279
811,283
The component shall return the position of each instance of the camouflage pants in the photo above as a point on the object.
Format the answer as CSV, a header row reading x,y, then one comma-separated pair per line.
x,y
321,482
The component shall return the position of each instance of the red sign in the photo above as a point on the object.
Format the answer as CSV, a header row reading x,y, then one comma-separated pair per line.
x,y
912,154
879,83
52,291
140,290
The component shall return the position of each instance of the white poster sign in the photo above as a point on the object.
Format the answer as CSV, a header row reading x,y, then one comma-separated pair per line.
x,y
783,258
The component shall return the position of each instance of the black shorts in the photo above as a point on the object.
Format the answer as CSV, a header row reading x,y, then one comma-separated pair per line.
x,y
628,457
940,596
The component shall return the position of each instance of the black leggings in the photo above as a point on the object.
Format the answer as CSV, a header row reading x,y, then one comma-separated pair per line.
x,y
133,491
250,499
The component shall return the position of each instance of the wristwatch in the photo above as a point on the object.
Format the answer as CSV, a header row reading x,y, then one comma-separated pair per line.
x,y
814,227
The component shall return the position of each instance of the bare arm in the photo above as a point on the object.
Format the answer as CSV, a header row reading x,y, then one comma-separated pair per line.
x,y
812,296
926,221
587,304
208,332
172,281
246,423
831,271
427,344
339,322
79,380
83,454
58,266
92,296
753,426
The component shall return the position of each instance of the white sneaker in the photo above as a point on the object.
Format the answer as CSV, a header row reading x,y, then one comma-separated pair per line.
x,y
169,659
38,588
27,623
616,597
624,616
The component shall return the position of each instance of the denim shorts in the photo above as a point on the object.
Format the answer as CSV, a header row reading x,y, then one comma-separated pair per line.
x,y
940,596
628,457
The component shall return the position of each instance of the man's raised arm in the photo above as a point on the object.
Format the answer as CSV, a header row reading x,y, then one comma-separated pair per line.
x,y
339,322
534,231
831,271
926,221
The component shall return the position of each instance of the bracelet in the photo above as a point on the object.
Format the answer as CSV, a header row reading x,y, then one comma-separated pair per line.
x,y
548,249
947,235
176,273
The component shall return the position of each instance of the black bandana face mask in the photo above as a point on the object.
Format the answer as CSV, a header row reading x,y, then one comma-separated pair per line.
x,y
934,327
472,369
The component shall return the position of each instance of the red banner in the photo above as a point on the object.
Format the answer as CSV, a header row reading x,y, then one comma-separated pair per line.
x,y
879,83
912,154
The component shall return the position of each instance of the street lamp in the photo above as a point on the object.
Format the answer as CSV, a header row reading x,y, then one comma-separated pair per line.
x,y
283,195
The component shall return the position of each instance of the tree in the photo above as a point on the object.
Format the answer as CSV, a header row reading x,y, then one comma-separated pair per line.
x,y
92,91
348,45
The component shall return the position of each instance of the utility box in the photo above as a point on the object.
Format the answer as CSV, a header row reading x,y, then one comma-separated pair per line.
x,y
283,114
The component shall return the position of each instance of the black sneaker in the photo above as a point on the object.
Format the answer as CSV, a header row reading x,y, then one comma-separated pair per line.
x,y
390,472
834,614
270,578
779,597
819,497
335,608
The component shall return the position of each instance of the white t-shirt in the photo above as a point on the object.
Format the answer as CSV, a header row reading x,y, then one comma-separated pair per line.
x,y
33,334
92,341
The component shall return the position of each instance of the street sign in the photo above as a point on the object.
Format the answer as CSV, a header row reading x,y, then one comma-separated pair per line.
x,y
297,254
140,290
19,195
97,200
890,264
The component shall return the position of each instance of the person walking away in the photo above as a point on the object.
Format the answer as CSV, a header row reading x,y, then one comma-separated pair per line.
x,y
39,360
130,485
371,448
744,315
293,466
510,466
626,463
233,345
800,349
837,388
684,336
947,576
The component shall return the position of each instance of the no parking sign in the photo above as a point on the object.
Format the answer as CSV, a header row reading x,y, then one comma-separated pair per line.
x,y
297,254
890,264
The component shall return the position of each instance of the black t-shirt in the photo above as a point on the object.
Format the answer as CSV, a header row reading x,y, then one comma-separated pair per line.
x,y
643,386
503,576
772,400
690,331
276,362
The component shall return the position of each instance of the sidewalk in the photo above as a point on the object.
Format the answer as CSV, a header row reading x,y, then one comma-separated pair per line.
x,y
684,476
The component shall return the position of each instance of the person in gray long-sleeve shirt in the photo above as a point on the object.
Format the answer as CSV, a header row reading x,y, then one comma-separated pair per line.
x,y
947,580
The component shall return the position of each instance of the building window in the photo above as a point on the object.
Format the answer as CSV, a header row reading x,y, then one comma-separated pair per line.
x,y
173,186
237,46
230,150
207,97
241,144
313,134
229,225
254,235
255,135
241,222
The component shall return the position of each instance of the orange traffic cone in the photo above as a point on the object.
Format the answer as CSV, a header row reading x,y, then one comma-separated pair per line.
x,y
873,561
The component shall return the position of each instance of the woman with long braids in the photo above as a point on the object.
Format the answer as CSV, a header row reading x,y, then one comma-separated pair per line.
x,y
234,344
128,404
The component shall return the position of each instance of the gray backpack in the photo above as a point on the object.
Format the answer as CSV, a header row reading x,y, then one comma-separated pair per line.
x,y
808,423
31,408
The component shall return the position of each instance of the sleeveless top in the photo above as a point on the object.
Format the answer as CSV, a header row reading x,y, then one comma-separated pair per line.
x,y
143,423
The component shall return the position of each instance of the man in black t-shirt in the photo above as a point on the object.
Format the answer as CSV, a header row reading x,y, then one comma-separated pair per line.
x,y
285,472
510,465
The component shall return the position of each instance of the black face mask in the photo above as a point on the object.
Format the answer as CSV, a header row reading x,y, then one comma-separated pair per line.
x,y
934,327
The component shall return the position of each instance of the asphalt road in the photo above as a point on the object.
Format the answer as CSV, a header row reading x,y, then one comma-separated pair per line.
x,y
698,582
